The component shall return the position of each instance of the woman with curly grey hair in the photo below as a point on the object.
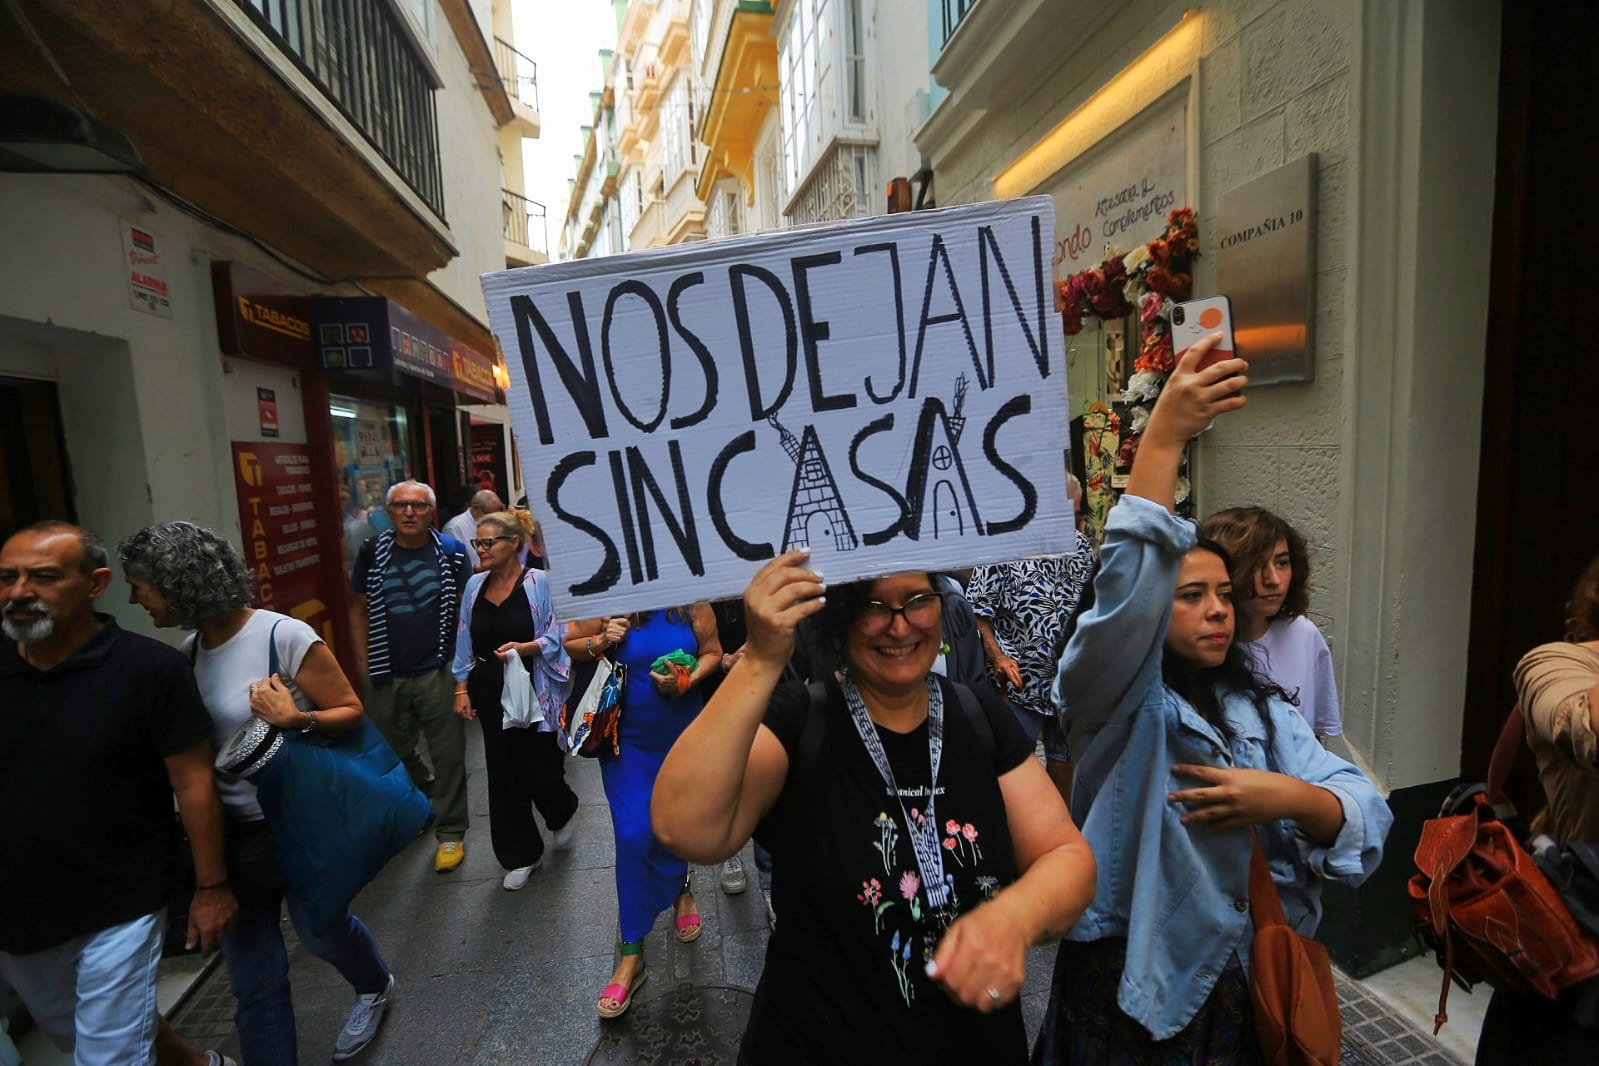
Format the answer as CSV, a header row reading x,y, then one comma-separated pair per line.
x,y
187,576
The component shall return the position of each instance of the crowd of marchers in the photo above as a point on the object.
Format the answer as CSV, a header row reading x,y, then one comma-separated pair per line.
x,y
878,740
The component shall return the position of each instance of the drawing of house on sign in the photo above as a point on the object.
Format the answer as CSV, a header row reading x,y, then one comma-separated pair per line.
x,y
815,511
940,497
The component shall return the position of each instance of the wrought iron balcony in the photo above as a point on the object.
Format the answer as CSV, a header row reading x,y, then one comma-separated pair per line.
x,y
524,221
954,11
519,73
365,61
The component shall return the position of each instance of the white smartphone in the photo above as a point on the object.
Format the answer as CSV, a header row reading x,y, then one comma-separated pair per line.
x,y
1194,320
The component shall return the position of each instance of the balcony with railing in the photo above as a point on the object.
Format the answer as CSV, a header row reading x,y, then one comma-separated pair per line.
x,y
310,123
953,12
520,76
526,232
839,185
370,65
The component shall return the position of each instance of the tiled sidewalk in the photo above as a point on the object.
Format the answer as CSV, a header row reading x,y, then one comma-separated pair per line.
x,y
1375,1035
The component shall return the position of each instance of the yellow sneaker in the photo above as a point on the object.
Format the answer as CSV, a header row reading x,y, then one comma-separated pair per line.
x,y
449,855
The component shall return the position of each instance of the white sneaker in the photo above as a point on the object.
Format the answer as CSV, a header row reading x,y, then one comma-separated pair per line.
x,y
365,1017
516,879
771,915
565,835
216,1058
733,879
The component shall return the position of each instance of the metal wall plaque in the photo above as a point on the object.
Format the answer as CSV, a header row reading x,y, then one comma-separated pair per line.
x,y
1266,265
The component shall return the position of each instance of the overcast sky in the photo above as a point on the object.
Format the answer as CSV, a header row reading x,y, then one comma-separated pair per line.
x,y
564,38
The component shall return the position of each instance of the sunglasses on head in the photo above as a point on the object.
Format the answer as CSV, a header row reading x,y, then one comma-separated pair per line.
x,y
921,611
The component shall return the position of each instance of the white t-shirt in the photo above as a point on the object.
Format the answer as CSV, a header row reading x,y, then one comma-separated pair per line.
x,y
1294,654
463,527
225,674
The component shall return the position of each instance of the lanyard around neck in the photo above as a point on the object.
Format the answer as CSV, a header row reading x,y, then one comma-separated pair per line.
x,y
923,831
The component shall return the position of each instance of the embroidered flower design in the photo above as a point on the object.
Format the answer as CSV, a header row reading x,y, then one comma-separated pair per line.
x,y
909,885
949,843
887,838
969,831
871,897
987,886
900,959
952,827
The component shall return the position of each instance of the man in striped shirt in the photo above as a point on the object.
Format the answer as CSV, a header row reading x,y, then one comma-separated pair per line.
x,y
405,598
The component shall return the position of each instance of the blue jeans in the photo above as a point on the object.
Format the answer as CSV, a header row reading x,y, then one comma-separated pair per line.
x,y
258,967
94,995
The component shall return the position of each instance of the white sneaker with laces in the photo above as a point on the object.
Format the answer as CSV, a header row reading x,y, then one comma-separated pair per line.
x,y
565,834
216,1058
362,1026
733,879
516,880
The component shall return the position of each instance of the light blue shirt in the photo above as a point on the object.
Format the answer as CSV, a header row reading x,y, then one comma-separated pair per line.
x,y
1180,894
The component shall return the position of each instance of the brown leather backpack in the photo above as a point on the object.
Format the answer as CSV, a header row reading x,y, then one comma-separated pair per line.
x,y
1483,904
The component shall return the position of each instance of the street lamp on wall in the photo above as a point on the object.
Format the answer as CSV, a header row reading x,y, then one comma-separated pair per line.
x,y
39,135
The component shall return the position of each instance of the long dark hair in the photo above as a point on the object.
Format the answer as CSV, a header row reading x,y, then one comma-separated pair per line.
x,y
1205,687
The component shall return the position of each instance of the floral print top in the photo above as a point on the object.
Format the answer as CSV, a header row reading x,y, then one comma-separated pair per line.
x,y
845,977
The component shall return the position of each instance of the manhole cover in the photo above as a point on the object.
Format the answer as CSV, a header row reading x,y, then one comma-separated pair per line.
x,y
692,1025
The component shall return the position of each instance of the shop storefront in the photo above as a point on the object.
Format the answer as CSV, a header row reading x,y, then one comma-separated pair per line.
x,y
373,396
1318,122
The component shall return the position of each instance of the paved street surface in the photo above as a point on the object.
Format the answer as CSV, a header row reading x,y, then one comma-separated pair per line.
x,y
486,976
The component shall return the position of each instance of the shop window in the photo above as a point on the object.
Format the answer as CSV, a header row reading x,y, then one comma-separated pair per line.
x,y
854,63
371,448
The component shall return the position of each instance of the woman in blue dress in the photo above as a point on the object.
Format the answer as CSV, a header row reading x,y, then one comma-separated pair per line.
x,y
655,711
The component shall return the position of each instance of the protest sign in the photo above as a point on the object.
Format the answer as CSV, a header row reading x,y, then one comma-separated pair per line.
x,y
888,392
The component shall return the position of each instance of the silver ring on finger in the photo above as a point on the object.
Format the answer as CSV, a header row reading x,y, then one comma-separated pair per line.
x,y
993,994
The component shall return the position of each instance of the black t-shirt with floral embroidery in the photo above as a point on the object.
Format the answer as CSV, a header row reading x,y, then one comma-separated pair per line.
x,y
845,978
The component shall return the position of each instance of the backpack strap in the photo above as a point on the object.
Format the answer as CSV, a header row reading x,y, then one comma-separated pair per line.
x,y
976,717
811,733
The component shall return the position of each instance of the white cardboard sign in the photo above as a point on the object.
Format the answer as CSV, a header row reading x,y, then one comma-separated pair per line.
x,y
887,391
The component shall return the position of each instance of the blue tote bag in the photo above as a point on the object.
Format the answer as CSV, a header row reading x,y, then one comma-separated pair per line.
x,y
340,807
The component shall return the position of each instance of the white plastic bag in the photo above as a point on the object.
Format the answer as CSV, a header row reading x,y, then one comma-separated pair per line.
x,y
516,694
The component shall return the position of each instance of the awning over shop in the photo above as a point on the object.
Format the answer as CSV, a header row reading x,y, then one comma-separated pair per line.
x,y
375,333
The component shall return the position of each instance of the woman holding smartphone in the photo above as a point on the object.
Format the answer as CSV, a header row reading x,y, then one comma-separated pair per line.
x,y
1186,757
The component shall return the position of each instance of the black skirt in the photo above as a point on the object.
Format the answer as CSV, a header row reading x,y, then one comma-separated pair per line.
x,y
1085,1025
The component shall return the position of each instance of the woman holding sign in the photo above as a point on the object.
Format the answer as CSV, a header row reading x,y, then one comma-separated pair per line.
x,y
1189,762
667,655
918,849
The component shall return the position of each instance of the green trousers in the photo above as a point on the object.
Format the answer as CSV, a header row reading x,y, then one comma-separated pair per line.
x,y
406,709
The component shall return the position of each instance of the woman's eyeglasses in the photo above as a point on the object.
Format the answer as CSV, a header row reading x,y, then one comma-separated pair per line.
x,y
921,611
487,543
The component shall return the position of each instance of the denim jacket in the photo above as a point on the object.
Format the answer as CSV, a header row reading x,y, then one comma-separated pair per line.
x,y
551,669
1180,894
